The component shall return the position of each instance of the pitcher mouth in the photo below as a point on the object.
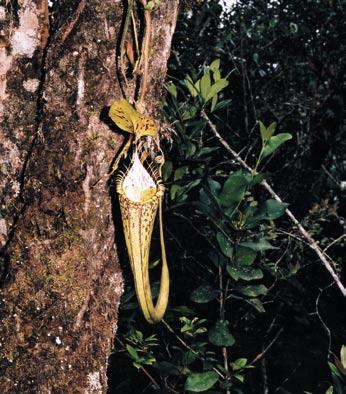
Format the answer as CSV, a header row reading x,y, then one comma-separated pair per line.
x,y
138,185
139,180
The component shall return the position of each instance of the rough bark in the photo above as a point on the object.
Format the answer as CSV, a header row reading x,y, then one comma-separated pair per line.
x,y
60,275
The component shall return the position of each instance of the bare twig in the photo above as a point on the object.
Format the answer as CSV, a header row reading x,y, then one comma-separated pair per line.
x,y
265,377
334,242
321,319
222,301
266,349
310,241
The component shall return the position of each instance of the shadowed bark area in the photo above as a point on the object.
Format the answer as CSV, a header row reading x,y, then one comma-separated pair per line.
x,y
61,281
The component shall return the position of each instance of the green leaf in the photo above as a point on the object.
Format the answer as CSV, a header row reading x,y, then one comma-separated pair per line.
x,y
132,352
259,246
330,390
172,89
240,363
213,103
225,244
257,304
274,142
174,191
234,188
180,172
190,86
246,273
253,291
219,335
216,88
245,256
214,186
215,65
198,382
203,294
267,133
167,170
274,209
205,85
343,356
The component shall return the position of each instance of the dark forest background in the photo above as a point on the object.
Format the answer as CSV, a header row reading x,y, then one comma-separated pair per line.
x,y
252,308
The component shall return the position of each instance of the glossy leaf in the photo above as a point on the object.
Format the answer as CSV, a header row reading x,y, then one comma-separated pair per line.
x,y
274,142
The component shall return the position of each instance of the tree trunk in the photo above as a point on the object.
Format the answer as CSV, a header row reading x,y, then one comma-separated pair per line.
x,y
61,281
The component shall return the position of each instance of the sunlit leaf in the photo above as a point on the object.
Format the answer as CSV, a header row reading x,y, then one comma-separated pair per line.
x,y
274,142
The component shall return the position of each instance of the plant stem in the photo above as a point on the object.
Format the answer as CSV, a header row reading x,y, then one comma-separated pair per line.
x,y
222,317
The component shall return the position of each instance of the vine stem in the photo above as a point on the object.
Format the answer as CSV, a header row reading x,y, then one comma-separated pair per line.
x,y
145,55
324,258
222,301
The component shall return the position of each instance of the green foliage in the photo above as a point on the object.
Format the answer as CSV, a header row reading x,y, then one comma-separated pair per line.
x,y
192,327
236,261
139,349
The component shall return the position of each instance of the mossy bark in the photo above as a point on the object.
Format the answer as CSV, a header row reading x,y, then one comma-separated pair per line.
x,y
61,281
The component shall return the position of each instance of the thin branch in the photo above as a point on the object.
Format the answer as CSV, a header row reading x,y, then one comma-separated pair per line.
x,y
310,241
265,350
222,301
334,242
321,319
